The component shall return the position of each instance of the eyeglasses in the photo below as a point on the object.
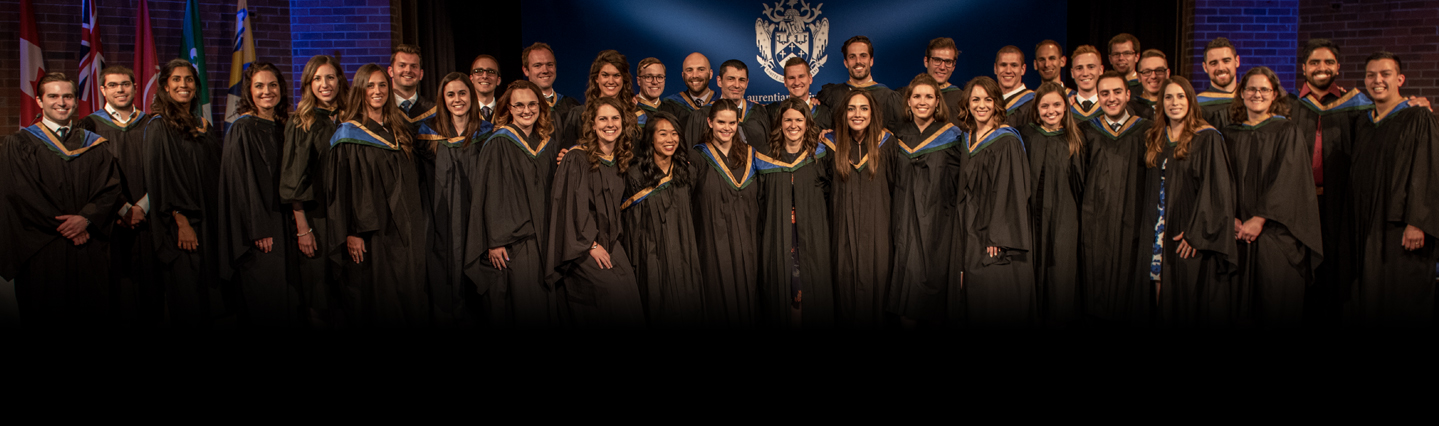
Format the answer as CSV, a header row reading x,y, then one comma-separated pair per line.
x,y
1261,91
942,61
653,78
113,85
486,71
526,106
1122,54
1149,72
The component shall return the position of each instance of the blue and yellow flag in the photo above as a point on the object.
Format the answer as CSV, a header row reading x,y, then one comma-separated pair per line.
x,y
240,60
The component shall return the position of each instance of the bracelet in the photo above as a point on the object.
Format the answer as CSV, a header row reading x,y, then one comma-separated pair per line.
x,y
306,233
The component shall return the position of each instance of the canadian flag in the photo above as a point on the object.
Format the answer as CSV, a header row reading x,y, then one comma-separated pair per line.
x,y
32,64
147,65
92,61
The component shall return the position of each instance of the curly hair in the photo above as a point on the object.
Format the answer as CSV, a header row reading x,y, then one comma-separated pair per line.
x,y
247,101
391,112
645,153
1238,113
1072,134
544,126
308,101
1158,135
178,115
811,130
870,139
991,88
610,57
624,144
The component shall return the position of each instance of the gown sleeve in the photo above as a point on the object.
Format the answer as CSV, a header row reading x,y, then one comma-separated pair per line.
x,y
1289,198
1210,227
1006,214
572,217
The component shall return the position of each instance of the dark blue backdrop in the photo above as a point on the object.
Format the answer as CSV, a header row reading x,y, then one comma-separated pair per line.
x,y
671,29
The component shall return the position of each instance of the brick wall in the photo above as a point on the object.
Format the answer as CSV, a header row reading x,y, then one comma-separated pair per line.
x,y
1410,29
1262,30
357,32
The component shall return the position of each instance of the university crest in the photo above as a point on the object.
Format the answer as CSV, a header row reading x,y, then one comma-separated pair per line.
x,y
785,32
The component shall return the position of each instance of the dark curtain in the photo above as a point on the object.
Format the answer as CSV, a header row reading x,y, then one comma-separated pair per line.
x,y
427,24
1157,24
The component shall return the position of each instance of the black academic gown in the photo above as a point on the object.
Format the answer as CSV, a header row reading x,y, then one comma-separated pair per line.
x,y
682,106
182,174
794,240
952,95
1056,182
1273,180
1215,105
993,185
57,283
1082,114
1198,202
512,196
1142,107
301,181
1019,109
754,126
860,210
833,95
922,217
1330,121
659,237
136,297
726,214
250,210
585,210
423,110
374,193
1114,246
448,161
1395,184
560,107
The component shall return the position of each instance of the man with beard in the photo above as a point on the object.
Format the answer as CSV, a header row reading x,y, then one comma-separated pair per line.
x,y
697,94
1049,59
797,80
406,72
1087,68
485,77
1153,75
538,62
650,78
1123,57
1221,61
939,61
754,121
134,295
859,59
1395,186
1009,72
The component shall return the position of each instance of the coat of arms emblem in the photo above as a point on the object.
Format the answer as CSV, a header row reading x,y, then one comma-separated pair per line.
x,y
784,32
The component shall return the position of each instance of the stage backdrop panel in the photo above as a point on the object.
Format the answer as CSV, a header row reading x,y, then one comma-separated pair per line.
x,y
764,34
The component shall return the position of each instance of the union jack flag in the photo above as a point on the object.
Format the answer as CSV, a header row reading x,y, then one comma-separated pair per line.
x,y
92,60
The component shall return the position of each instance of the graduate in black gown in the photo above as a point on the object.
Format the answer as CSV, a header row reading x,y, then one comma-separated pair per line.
x,y
696,74
506,241
377,222
1221,61
609,77
659,232
61,192
452,148
939,63
1277,221
307,139
650,81
136,299
1396,192
538,63
797,80
1153,69
406,72
726,214
1085,70
860,211
1192,199
992,242
754,121
922,213
1114,246
859,62
1009,71
795,289
1055,144
182,175
584,254
254,224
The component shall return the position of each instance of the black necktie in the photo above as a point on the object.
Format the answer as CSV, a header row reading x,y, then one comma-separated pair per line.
x,y
1115,126
1086,104
62,132
485,112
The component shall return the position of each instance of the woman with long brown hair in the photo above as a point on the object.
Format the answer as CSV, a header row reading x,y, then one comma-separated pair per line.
x,y
254,246
448,153
1277,223
507,240
182,177
923,205
727,219
1189,200
377,222
992,239
609,77
1054,142
795,291
660,229
859,206
307,138
584,255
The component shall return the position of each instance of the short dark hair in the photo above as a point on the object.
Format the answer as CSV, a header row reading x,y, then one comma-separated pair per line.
x,y
1048,42
796,61
117,70
1123,81
1121,38
404,48
1009,49
51,77
844,49
1382,54
736,64
1316,44
937,44
1219,43
1153,53
525,54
